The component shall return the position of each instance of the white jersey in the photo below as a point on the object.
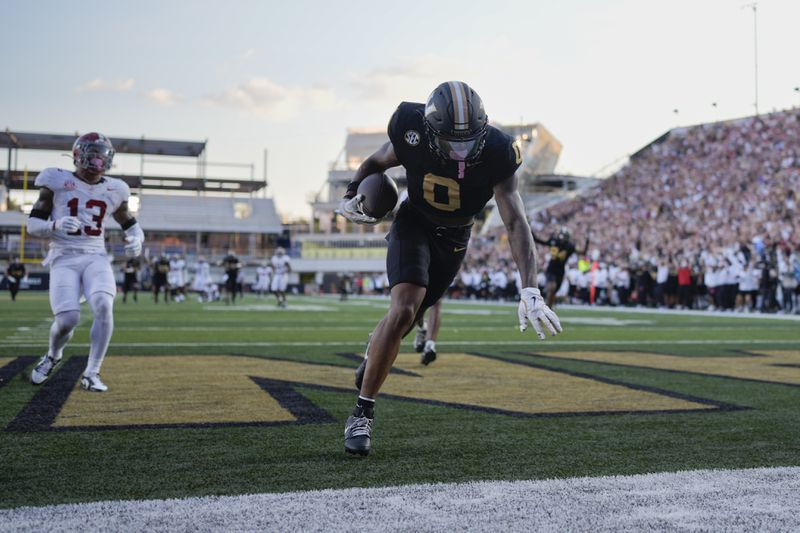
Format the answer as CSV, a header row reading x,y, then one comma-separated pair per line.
x,y
177,276
280,264
263,277
202,276
91,204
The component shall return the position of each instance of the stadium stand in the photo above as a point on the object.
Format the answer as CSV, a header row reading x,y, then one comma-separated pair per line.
x,y
718,199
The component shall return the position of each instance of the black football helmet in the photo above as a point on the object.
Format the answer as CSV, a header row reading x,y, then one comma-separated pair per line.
x,y
455,121
93,152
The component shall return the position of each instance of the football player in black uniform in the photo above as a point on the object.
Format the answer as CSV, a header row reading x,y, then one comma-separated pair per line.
x,y
454,163
14,273
160,271
561,248
130,280
232,266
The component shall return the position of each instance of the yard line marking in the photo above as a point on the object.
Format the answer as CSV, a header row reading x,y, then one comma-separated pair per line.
x,y
360,342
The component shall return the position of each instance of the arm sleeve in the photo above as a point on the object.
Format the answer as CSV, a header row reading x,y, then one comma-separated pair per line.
x,y
537,240
39,227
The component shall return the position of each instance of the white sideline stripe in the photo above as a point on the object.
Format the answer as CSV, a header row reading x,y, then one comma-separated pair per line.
x,y
763,499
530,343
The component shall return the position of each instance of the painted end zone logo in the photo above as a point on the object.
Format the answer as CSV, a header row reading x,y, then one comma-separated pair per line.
x,y
207,391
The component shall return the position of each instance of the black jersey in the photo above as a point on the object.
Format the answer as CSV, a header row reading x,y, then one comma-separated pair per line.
x,y
560,251
449,189
160,271
16,270
131,267
231,265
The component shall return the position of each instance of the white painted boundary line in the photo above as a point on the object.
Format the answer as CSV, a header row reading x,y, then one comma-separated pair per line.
x,y
764,499
347,344
610,309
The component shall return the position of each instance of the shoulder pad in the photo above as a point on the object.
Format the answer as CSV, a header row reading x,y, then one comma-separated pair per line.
x,y
408,117
504,153
53,178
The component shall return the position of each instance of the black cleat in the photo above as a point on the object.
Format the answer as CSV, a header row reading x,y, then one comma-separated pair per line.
x,y
358,430
428,357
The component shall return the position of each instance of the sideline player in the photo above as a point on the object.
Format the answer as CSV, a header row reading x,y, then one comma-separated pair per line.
x,y
15,273
70,210
159,280
130,281
454,163
231,265
263,278
427,333
176,278
561,248
281,266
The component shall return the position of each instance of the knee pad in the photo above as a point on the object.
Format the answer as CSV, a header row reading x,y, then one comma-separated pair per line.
x,y
67,321
102,305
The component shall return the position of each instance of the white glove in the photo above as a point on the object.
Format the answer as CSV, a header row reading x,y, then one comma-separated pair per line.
x,y
133,246
532,308
67,225
352,210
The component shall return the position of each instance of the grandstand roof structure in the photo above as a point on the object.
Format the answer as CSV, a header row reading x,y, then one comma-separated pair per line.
x,y
14,178
51,141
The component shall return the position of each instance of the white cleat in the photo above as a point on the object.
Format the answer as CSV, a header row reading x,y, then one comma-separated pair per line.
x,y
93,383
44,369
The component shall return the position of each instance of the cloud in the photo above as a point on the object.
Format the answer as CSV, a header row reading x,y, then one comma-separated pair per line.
x,y
162,97
101,85
408,79
263,97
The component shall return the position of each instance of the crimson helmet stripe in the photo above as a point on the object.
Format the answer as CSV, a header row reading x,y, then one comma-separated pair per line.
x,y
460,105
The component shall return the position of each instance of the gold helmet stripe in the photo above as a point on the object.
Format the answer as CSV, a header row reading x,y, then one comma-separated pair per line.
x,y
460,106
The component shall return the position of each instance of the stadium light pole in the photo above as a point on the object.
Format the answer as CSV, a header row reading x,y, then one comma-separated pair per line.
x,y
754,7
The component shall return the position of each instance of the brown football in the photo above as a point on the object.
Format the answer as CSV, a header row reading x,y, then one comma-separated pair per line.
x,y
380,195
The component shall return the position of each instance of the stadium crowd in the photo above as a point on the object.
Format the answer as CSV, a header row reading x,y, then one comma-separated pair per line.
x,y
706,218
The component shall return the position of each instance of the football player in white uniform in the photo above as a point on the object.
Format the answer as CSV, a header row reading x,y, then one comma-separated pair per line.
x,y
281,266
202,280
263,279
176,278
71,210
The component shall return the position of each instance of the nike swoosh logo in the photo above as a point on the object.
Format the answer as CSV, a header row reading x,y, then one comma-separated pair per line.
x,y
459,249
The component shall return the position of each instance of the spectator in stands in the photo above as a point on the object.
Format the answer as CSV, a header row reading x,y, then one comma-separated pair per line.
x,y
685,295
788,282
698,191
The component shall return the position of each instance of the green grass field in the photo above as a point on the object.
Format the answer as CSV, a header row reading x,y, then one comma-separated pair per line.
x,y
224,400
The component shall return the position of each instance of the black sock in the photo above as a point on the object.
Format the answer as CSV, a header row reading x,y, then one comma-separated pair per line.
x,y
366,406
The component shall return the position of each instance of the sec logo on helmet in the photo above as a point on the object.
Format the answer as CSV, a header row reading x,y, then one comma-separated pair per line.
x,y
411,137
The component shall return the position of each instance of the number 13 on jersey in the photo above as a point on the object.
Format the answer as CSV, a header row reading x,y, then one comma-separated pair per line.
x,y
98,208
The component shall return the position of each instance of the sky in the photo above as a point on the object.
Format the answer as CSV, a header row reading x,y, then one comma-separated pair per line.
x,y
605,76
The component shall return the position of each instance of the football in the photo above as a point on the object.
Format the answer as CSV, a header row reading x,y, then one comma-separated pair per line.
x,y
380,195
